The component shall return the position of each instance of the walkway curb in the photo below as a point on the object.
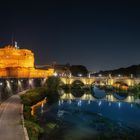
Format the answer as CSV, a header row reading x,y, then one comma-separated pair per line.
x,y
23,125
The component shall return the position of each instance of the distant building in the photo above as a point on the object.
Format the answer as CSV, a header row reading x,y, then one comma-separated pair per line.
x,y
15,62
62,70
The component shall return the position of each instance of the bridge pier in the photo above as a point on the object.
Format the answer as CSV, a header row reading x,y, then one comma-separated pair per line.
x,y
10,86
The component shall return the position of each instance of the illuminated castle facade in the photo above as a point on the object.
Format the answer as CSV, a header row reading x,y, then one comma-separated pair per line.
x,y
19,63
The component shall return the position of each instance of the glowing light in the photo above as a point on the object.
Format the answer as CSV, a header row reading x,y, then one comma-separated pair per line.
x,y
19,83
89,75
42,105
59,102
79,103
55,74
80,75
100,102
119,104
1,83
88,101
119,75
31,83
8,84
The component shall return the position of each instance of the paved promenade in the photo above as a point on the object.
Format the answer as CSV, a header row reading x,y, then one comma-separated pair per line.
x,y
10,119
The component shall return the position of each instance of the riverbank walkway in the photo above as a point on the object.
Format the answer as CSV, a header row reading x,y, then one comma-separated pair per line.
x,y
10,119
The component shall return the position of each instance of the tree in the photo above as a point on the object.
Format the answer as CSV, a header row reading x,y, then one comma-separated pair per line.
x,y
78,69
52,85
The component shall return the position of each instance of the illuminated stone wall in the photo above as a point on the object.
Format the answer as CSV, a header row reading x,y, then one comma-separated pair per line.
x,y
12,57
20,63
28,72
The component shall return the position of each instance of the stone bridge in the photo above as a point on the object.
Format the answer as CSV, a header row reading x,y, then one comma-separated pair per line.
x,y
9,86
101,80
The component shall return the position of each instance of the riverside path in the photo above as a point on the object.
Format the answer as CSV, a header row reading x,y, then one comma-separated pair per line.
x,y
10,119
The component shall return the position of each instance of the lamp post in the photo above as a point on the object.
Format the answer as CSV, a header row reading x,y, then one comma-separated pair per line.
x,y
119,75
89,75
131,76
55,74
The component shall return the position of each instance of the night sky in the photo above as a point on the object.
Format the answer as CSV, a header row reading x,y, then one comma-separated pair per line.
x,y
100,35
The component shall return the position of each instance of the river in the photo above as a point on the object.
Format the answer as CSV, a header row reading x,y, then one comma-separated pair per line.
x,y
98,115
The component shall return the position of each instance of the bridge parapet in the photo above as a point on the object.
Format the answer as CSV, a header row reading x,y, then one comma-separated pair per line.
x,y
106,80
84,80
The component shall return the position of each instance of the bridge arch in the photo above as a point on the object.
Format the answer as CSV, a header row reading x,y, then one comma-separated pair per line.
x,y
121,85
77,82
77,89
120,96
98,93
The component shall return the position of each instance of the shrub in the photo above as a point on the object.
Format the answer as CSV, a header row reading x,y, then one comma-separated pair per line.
x,y
34,130
33,96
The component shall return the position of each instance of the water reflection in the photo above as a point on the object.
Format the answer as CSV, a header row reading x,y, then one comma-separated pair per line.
x,y
98,94
93,114
79,103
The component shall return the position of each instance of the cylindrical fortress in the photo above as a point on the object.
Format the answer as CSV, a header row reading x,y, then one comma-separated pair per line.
x,y
19,63
13,57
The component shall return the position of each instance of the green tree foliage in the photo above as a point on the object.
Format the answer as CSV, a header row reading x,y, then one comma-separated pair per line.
x,y
33,96
135,70
136,90
52,85
34,130
78,69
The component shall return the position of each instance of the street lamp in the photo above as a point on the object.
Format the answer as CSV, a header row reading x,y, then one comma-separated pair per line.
x,y
55,74
80,75
131,76
119,75
109,75
70,75
88,75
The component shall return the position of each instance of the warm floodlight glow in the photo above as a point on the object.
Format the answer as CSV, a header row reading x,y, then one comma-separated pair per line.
x,y
80,75
119,75
8,84
20,63
55,74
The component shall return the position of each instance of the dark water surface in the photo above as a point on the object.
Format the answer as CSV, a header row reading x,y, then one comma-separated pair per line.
x,y
91,119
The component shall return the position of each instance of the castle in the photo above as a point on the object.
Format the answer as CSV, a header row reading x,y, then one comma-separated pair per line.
x,y
19,63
